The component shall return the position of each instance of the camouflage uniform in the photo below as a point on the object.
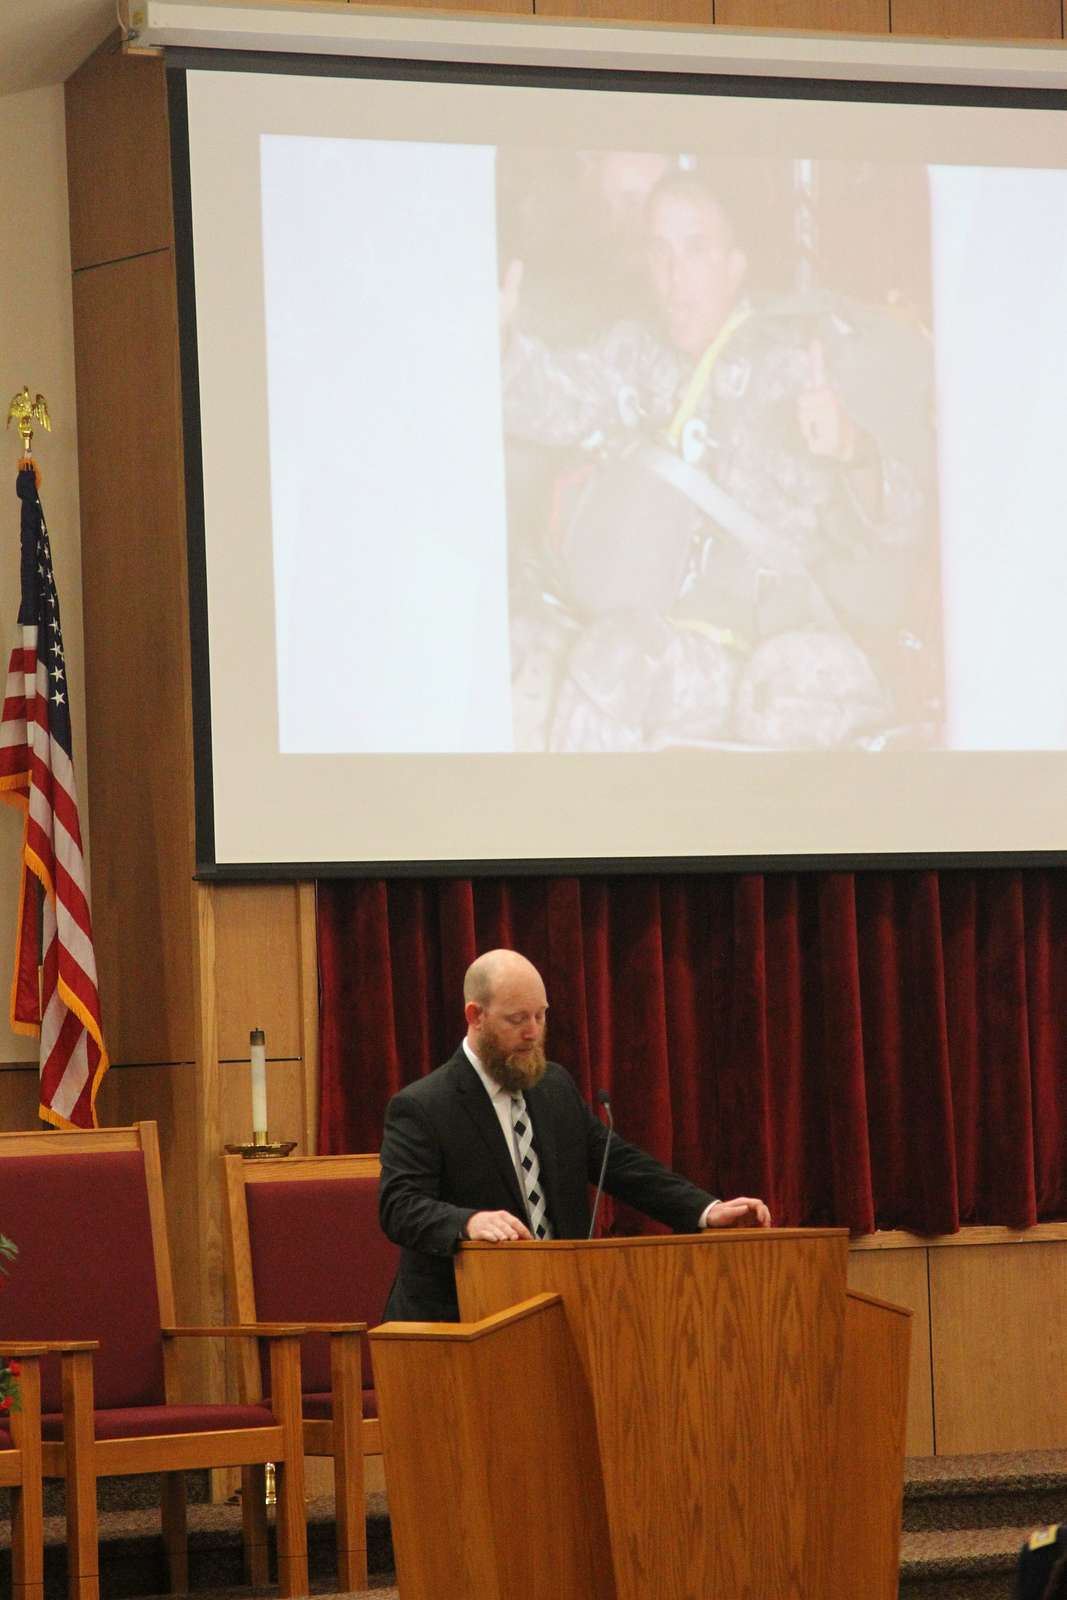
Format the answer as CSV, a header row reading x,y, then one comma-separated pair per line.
x,y
766,613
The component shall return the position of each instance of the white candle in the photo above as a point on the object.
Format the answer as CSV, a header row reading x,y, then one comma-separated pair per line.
x,y
258,1050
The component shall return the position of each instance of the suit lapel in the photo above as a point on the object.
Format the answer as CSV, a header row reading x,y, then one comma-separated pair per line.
x,y
478,1106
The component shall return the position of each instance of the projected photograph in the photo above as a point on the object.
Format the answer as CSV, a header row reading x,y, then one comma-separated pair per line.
x,y
717,389
593,473
637,451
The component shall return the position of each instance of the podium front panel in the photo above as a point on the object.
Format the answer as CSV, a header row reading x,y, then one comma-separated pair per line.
x,y
713,1363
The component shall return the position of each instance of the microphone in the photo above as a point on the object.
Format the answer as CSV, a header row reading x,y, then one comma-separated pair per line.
x,y
603,1098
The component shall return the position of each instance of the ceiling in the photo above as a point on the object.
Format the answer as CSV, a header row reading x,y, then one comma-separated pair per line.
x,y
42,41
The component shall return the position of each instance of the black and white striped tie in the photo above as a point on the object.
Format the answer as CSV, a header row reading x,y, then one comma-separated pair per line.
x,y
530,1168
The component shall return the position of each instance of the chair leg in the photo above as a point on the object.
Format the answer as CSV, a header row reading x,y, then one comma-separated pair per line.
x,y
291,1517
254,1525
27,1534
27,1553
351,1513
175,1531
346,1380
291,1529
83,1546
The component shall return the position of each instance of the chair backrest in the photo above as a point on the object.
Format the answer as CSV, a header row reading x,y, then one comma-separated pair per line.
x,y
93,1261
306,1246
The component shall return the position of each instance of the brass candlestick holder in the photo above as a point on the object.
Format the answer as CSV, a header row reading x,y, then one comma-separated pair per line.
x,y
265,1150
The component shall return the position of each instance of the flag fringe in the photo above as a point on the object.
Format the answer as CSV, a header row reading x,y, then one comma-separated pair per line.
x,y
34,864
46,1114
10,789
86,1018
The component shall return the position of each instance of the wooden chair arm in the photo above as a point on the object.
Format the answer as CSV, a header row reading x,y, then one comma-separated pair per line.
x,y
48,1347
250,1330
320,1327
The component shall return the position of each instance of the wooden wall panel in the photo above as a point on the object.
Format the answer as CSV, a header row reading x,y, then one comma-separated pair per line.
x,y
309,1013
118,158
517,7
138,711
18,1100
997,1315
678,11
834,16
257,960
979,19
266,975
900,1278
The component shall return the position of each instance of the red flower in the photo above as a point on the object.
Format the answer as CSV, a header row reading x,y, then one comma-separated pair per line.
x,y
15,1368
5,1404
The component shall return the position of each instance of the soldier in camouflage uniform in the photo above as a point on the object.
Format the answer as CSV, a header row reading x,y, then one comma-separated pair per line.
x,y
737,558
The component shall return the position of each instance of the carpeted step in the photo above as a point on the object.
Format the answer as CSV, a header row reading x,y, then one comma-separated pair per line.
x,y
987,1491
964,1564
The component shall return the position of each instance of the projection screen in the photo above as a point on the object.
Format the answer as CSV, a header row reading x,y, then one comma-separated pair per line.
x,y
596,470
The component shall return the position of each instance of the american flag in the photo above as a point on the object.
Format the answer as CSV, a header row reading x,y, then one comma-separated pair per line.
x,y
60,1004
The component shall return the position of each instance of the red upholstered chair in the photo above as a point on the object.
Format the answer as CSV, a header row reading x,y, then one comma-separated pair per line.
x,y
305,1246
87,1211
20,1471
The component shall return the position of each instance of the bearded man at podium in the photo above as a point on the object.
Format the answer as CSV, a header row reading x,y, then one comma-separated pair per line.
x,y
497,1144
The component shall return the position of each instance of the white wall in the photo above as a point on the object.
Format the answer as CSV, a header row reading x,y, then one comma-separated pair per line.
x,y
37,348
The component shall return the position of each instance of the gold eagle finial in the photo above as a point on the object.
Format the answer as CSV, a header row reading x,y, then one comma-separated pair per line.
x,y
24,412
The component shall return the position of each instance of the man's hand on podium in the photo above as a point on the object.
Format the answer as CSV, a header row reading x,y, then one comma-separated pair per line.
x,y
496,1226
744,1212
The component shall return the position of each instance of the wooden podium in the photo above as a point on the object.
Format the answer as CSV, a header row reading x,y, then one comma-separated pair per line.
x,y
700,1417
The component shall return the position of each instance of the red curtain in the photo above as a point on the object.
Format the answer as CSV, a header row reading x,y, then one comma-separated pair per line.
x,y
876,1049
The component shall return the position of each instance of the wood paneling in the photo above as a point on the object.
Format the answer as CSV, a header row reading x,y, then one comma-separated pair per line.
x,y
206,1215
900,1277
265,977
309,1012
679,11
833,16
517,7
257,967
138,711
985,1234
118,159
979,19
997,1317
18,1099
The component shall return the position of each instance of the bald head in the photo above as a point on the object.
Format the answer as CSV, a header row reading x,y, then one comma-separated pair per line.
x,y
493,969
505,1006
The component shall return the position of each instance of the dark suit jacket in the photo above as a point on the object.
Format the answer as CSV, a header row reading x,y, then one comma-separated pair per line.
x,y
444,1157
